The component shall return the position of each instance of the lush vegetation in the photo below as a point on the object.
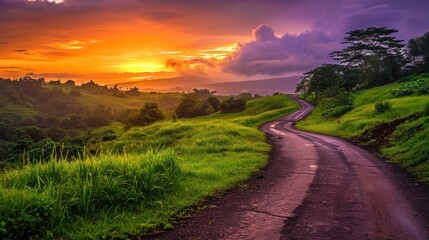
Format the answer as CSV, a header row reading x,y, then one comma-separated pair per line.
x,y
129,188
376,95
38,117
397,126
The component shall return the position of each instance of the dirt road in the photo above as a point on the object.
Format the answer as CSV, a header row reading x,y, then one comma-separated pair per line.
x,y
314,187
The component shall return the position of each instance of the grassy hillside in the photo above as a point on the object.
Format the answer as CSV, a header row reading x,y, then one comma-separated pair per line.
x,y
131,188
401,133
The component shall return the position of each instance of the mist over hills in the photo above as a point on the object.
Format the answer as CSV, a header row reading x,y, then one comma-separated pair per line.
x,y
180,84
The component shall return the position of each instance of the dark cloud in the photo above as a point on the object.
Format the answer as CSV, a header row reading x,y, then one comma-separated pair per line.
x,y
21,50
193,64
10,67
271,55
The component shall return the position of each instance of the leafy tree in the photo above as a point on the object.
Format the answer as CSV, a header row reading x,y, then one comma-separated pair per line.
x,y
133,91
375,52
190,107
418,53
214,102
320,79
233,105
70,83
149,114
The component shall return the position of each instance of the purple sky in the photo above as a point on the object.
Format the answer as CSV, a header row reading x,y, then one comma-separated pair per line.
x,y
274,37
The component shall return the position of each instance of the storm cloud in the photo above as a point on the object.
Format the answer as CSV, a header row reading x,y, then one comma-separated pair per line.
x,y
271,55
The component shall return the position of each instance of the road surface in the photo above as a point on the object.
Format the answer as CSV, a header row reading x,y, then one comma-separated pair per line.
x,y
314,187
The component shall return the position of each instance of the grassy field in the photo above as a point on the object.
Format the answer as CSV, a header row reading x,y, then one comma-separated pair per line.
x,y
407,143
144,179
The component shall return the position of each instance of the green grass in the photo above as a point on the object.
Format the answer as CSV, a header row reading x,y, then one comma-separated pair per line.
x,y
408,143
167,102
212,154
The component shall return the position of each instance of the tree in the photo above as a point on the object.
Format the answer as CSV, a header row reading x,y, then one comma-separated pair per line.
x,y
190,107
320,79
149,114
214,102
418,53
375,52
233,105
133,91
246,96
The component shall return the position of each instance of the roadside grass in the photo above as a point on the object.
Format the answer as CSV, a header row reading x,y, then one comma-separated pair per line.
x,y
210,154
407,144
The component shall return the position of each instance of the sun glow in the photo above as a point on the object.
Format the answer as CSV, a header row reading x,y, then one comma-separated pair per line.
x,y
140,67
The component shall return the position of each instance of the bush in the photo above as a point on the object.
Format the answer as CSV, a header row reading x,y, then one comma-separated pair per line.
x,y
337,106
149,114
337,112
35,199
233,105
108,135
26,215
190,107
419,86
382,107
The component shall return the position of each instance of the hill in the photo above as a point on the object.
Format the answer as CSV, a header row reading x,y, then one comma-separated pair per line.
x,y
400,133
141,179
261,87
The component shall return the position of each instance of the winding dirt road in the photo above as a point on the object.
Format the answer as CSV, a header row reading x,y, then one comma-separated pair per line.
x,y
314,187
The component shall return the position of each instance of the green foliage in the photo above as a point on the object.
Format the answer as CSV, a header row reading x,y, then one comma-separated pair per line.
x,y
35,198
382,107
214,102
149,114
335,103
406,144
232,105
419,86
26,214
190,107
199,103
375,52
418,53
104,196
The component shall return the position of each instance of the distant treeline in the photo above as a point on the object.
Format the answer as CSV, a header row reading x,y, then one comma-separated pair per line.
x,y
58,119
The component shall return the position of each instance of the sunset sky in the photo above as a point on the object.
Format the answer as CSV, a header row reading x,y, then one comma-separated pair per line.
x,y
128,40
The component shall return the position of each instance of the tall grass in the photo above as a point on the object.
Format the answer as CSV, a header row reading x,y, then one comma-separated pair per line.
x,y
130,189
60,191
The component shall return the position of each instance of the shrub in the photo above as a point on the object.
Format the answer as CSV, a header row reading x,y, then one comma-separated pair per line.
x,y
419,86
337,112
108,135
337,106
382,107
233,105
149,114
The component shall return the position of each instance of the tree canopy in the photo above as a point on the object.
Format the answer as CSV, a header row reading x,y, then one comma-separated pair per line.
x,y
375,51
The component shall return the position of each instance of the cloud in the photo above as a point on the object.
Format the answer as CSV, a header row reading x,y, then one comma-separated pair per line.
x,y
21,50
10,67
271,55
193,64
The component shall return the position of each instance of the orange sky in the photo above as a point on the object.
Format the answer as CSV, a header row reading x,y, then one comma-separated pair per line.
x,y
115,41
104,43
117,44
